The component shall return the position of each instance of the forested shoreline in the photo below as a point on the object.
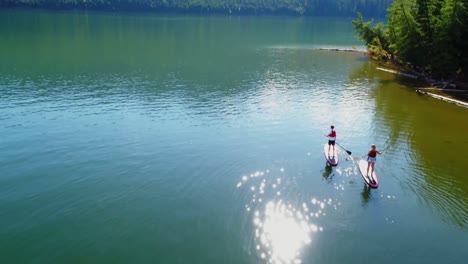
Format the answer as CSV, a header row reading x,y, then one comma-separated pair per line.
x,y
425,37
374,8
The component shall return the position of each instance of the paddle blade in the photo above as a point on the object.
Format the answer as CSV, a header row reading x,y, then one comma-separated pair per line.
x,y
349,152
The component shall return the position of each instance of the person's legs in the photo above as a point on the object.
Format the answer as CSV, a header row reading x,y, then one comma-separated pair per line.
x,y
372,168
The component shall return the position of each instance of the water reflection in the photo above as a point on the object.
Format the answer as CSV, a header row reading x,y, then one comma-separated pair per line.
x,y
423,162
282,225
365,195
327,173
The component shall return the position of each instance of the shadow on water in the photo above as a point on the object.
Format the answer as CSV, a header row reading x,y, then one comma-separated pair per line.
x,y
422,134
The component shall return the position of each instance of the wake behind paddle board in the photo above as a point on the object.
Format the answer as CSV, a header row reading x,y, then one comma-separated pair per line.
x,y
332,157
363,169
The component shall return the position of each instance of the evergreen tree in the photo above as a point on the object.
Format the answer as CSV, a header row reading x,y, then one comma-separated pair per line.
x,y
429,35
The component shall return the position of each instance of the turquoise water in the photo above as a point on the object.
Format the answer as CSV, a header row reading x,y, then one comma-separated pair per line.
x,y
131,138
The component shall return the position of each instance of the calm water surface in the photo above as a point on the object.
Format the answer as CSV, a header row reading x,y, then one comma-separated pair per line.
x,y
192,139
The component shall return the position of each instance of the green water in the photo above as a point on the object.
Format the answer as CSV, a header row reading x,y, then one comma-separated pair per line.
x,y
131,138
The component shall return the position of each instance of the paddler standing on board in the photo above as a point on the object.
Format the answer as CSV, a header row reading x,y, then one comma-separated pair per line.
x,y
331,140
372,158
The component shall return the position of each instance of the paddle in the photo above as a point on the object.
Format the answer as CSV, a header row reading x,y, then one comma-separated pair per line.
x,y
347,151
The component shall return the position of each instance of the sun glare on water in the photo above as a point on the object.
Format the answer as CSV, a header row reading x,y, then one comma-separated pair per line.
x,y
282,229
282,233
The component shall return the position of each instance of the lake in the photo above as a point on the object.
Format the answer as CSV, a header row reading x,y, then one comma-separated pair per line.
x,y
139,138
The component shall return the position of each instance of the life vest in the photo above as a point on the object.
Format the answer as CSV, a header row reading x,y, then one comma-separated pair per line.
x,y
372,153
332,134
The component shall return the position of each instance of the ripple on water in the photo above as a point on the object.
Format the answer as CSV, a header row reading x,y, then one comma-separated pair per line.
x,y
440,191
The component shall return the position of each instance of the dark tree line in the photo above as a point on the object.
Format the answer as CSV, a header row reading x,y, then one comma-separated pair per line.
x,y
429,35
374,8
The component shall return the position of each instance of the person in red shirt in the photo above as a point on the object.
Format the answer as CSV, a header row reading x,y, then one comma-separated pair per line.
x,y
372,158
331,140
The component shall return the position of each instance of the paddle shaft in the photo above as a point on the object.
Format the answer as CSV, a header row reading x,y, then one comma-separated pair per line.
x,y
379,154
347,151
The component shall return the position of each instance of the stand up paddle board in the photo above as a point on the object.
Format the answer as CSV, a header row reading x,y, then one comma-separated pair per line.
x,y
373,181
332,157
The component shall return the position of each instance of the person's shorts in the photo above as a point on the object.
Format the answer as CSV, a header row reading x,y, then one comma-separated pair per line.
x,y
331,142
371,159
